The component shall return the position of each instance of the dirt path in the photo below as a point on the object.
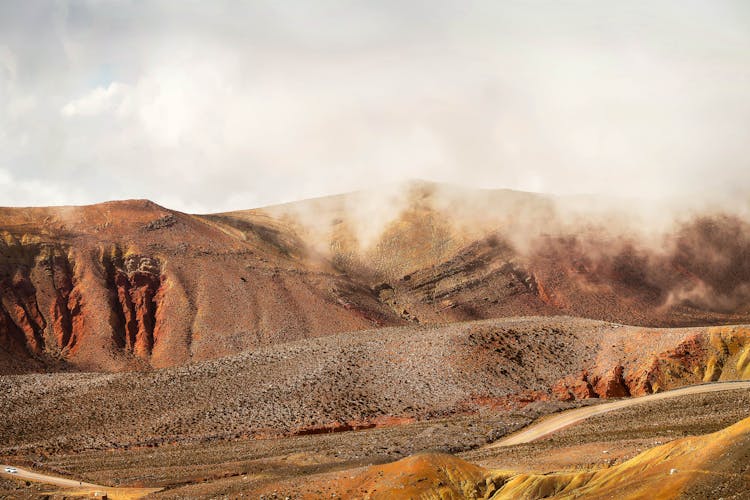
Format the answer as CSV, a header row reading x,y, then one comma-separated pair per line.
x,y
557,422
81,488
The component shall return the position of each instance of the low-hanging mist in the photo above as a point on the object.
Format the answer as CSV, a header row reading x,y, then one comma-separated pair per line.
x,y
676,251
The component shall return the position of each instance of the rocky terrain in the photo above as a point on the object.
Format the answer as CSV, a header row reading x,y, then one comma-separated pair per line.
x,y
282,467
361,380
332,334
620,455
694,467
131,285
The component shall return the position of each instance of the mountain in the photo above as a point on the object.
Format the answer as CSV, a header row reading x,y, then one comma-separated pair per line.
x,y
131,285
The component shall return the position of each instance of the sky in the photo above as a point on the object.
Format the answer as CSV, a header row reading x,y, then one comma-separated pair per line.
x,y
219,105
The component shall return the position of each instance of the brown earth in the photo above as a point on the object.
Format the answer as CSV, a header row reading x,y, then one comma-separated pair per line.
x,y
358,380
250,467
697,467
132,285
602,457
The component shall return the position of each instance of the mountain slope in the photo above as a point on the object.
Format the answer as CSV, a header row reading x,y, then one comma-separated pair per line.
x,y
132,285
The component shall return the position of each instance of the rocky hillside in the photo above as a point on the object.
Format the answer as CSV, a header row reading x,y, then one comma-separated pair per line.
x,y
362,380
132,285
125,285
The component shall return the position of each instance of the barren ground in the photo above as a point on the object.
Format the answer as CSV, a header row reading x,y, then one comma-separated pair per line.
x,y
349,381
243,466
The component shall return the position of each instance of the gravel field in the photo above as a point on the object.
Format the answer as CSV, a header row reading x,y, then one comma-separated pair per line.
x,y
339,382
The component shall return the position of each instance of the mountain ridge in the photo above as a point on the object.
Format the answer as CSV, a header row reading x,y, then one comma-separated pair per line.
x,y
129,284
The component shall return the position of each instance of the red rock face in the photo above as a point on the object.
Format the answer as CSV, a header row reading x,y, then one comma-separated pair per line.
x,y
136,281
574,387
42,303
613,385
689,357
20,303
40,306
12,338
66,308
681,362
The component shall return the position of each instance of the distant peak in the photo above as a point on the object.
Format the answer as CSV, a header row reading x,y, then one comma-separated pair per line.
x,y
133,203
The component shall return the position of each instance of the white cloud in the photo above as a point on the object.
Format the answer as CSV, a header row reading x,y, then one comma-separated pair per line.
x,y
100,100
212,106
18,192
8,65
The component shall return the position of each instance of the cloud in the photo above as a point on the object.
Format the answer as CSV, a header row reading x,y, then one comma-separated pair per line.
x,y
225,105
8,65
100,100
17,192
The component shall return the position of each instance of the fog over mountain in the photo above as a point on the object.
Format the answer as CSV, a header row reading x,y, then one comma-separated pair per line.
x,y
212,106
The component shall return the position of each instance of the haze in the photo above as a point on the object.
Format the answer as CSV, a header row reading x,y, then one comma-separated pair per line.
x,y
211,106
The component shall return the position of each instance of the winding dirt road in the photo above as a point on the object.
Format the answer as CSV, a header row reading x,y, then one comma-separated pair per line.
x,y
559,421
27,475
